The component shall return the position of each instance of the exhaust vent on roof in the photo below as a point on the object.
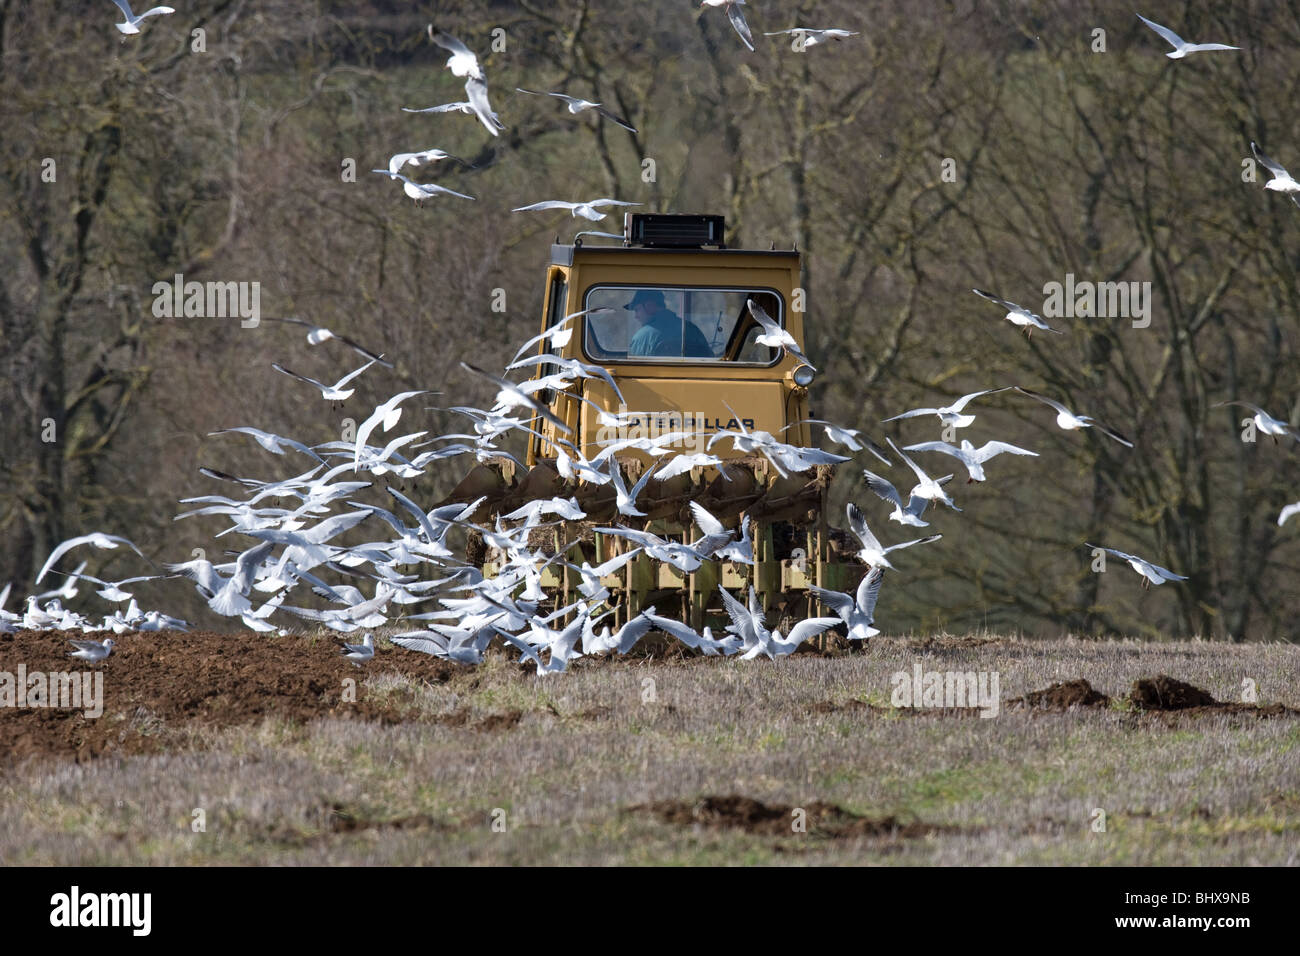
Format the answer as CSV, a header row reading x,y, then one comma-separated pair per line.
x,y
674,232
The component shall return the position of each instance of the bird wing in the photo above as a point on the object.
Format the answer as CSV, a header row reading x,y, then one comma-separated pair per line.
x,y
993,448
883,488
1287,512
683,632
443,108
810,628
921,476
837,601
858,524
435,188
632,631
616,119
1009,306
477,92
908,544
1170,36
761,317
86,645
125,7
1044,399
449,42
1119,554
426,642
301,378
737,19
967,399
1167,574
707,522
1254,408
739,614
548,204
911,414
869,592
1113,434
351,375
942,446
1203,47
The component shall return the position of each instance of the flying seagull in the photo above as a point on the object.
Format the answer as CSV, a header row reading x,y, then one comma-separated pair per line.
x,y
872,552
316,334
926,487
850,438
398,160
510,395
909,514
420,191
950,415
1069,421
856,610
132,24
577,105
970,456
331,393
386,414
1151,573
736,17
1265,422
1018,315
92,650
814,37
1282,181
1181,46
587,210
463,62
466,108
97,539
773,335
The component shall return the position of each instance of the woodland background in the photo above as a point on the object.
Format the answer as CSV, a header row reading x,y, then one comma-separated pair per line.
x,y
225,165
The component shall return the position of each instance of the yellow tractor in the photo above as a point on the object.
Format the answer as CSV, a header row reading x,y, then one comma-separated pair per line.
x,y
667,324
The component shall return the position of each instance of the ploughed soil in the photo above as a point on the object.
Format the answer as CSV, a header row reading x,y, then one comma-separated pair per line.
x,y
164,689
1161,694
754,816
156,683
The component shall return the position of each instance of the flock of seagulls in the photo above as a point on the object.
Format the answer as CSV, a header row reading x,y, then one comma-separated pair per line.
x,y
406,571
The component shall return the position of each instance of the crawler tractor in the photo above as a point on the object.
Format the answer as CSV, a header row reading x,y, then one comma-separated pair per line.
x,y
699,370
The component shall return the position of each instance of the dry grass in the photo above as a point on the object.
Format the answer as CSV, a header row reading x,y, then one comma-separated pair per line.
x,y
1019,788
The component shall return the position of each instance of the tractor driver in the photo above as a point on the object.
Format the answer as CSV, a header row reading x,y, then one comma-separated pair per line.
x,y
661,330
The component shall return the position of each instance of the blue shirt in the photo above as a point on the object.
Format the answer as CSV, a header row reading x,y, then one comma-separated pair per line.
x,y
662,336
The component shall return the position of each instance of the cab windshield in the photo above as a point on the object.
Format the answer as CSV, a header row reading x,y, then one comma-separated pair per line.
x,y
678,324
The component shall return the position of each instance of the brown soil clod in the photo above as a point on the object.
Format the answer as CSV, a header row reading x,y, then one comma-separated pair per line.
x,y
1062,696
1163,692
753,816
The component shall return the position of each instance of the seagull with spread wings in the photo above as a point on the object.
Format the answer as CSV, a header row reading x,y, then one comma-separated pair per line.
x,y
736,16
1282,181
463,62
578,105
1181,46
1019,316
1069,421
